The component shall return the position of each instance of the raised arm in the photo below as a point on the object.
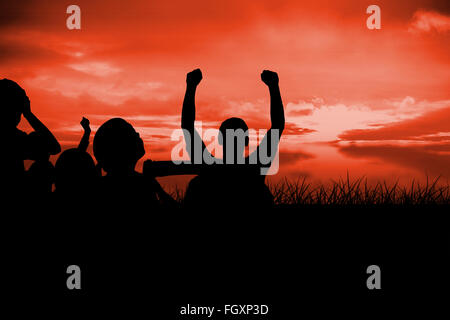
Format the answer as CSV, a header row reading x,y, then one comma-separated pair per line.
x,y
270,78
267,149
51,142
193,78
84,142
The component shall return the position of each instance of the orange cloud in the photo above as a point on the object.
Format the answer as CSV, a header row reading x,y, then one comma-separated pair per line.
x,y
431,123
426,21
431,161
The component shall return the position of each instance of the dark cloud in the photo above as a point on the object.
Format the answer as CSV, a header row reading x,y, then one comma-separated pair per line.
x,y
424,159
442,6
304,112
292,129
12,12
21,53
289,158
222,16
32,13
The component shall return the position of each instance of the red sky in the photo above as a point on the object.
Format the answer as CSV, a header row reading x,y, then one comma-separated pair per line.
x,y
373,102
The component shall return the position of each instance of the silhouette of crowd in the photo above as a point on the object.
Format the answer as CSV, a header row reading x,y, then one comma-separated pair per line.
x,y
112,178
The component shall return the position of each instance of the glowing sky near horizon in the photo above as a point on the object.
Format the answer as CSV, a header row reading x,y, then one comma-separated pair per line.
x,y
373,102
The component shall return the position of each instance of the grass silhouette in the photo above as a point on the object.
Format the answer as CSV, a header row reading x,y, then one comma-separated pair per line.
x,y
358,192
352,192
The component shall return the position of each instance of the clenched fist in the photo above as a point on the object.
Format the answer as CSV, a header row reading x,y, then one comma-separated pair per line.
x,y
194,77
270,78
85,124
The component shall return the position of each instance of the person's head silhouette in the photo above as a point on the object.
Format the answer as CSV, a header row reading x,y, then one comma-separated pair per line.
x,y
12,99
118,147
237,130
75,171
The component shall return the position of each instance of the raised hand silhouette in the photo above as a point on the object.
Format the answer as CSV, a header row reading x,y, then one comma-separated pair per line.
x,y
270,78
48,139
84,142
85,124
194,77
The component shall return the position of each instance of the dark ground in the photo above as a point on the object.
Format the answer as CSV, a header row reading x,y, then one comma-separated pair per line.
x,y
296,260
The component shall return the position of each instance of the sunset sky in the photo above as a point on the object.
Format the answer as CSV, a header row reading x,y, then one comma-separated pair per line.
x,y
373,102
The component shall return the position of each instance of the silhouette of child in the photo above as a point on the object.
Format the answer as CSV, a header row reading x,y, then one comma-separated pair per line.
x,y
117,148
76,172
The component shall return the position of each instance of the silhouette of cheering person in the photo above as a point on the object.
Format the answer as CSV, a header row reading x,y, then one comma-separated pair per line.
x,y
17,145
233,183
76,174
117,148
